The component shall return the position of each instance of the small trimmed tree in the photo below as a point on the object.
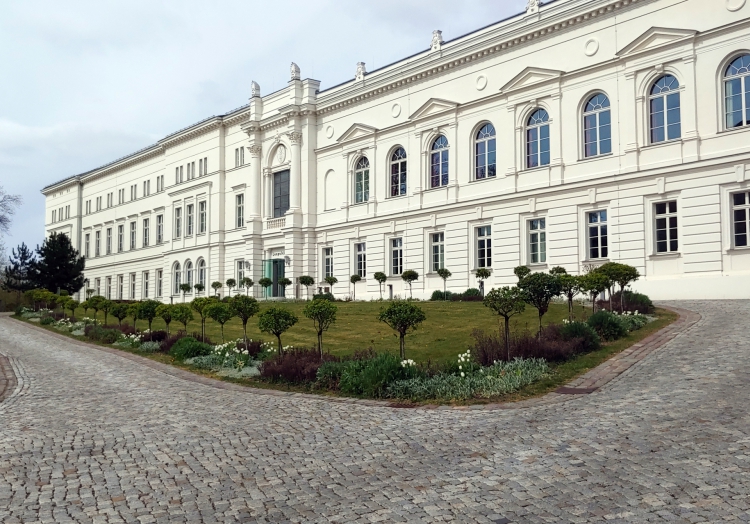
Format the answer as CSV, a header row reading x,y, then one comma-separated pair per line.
x,y
219,312
147,311
134,311
231,283
85,305
594,283
331,281
307,281
482,274
63,303
164,311
120,312
265,283
182,313
402,316
276,321
380,277
216,287
354,279
521,272
624,276
445,275
185,288
506,302
89,292
409,276
72,305
570,286
199,288
284,282
244,307
609,270
540,289
248,284
323,313
106,306
199,305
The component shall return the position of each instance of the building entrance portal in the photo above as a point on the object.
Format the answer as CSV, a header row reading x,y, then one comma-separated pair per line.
x,y
274,269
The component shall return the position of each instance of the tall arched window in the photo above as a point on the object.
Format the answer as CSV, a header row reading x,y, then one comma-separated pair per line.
x,y
597,126
176,278
189,273
202,272
664,110
439,162
537,139
362,181
398,172
737,92
485,152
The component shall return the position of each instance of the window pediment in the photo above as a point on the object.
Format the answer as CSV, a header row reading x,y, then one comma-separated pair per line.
x,y
654,38
432,107
357,131
531,76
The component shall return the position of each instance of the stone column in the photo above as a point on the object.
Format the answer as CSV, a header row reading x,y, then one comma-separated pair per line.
x,y
295,175
254,208
268,193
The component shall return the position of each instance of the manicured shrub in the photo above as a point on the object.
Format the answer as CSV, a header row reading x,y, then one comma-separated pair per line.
x,y
93,332
150,347
329,373
188,347
154,336
46,321
549,345
589,340
440,295
166,345
110,336
488,347
325,296
370,378
633,322
297,366
472,292
607,325
632,302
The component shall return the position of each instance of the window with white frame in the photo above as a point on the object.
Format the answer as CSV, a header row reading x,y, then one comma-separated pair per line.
x,y
145,232
109,241
437,241
361,250
159,282
740,218
121,196
145,284
737,92
200,167
597,126
159,228
54,216
239,157
398,172
176,278
397,256
88,207
665,215
67,211
439,158
98,203
132,235
484,246
189,218
178,222
132,286
597,234
178,174
98,286
202,272
240,273
239,210
110,200
120,287
134,192
537,139
87,240
108,289
664,110
327,262
485,153
537,241
202,217
146,188
120,238
97,241
188,276
362,181
280,193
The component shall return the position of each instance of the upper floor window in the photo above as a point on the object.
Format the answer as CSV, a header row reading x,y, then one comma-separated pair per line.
x,y
597,225
145,232
132,235
87,250
439,162
485,152
537,139
737,92
109,240
597,126
189,216
178,222
398,172
239,209
159,228
664,110
239,157
97,243
280,193
362,181
120,236
202,217
666,226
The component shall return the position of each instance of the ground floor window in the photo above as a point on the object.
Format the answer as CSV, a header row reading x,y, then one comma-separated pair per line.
x,y
438,251
484,246
397,256
145,284
159,282
666,226
597,233
537,241
740,218
328,260
362,260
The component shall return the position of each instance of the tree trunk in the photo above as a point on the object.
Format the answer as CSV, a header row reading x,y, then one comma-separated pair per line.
x,y
445,289
244,330
401,344
570,308
355,292
507,337
320,344
540,325
622,299
281,349
222,333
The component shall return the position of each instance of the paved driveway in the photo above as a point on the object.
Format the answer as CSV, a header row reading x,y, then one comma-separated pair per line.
x,y
94,437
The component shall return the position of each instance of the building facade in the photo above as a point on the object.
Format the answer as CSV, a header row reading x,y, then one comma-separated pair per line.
x,y
577,132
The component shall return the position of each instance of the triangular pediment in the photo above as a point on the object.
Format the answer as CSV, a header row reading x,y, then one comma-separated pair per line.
x,y
357,131
531,76
655,37
432,107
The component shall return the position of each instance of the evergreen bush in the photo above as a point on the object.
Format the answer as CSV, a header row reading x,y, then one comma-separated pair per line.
x,y
188,347
607,325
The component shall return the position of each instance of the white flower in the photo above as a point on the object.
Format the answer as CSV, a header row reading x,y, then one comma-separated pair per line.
x,y
462,374
459,367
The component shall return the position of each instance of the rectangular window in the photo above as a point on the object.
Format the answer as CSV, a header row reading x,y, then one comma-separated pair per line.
x,y
145,232
280,193
666,226
597,226
362,185
240,265
98,286
109,241
158,184
239,210
159,282
67,211
108,289
484,246
97,241
54,216
133,192
178,222
189,216
132,235
328,258
201,217
200,167
740,218
362,260
438,250
159,228
132,286
120,238
537,241
98,203
239,157
120,287
86,245
145,284
397,256
145,187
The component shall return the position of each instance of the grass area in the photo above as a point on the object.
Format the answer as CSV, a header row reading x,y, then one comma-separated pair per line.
x,y
445,333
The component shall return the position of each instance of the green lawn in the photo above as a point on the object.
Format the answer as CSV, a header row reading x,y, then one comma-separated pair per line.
x,y
445,333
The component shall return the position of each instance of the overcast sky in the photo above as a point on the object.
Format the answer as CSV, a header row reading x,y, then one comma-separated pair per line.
x,y
87,82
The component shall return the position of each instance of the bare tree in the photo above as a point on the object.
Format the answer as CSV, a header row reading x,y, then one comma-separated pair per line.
x,y
8,205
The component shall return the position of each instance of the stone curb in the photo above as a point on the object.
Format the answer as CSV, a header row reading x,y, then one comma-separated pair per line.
x,y
590,382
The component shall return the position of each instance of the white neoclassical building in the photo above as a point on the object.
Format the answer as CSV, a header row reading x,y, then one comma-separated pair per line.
x,y
577,132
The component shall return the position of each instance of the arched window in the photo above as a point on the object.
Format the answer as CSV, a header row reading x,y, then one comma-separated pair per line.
x,y
202,272
537,139
362,181
398,172
597,126
176,278
439,162
664,110
189,273
737,92
485,152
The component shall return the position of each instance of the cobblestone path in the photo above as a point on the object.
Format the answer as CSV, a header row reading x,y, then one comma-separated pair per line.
x,y
88,436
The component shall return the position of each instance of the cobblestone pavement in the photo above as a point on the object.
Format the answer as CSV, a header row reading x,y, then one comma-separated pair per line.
x,y
88,436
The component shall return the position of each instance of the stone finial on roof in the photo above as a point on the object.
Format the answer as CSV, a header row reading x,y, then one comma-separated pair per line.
x,y
361,71
532,6
294,70
437,40
254,89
